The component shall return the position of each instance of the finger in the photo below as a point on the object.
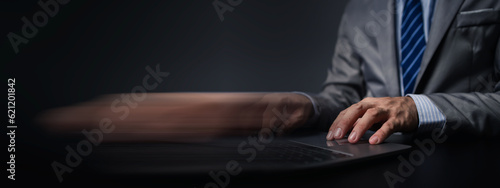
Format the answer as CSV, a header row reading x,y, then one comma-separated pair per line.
x,y
266,105
371,116
283,119
333,131
272,120
295,119
382,134
344,123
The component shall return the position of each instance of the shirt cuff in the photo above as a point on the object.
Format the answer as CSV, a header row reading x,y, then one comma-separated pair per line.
x,y
315,116
429,115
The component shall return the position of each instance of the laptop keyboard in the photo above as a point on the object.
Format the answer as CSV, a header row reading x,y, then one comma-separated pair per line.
x,y
292,152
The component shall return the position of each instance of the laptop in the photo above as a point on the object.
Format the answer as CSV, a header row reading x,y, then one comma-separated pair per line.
x,y
244,153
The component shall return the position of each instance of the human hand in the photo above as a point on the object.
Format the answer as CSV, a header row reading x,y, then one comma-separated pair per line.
x,y
285,112
392,113
181,116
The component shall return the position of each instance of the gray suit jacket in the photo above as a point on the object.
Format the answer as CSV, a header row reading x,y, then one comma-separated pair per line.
x,y
460,69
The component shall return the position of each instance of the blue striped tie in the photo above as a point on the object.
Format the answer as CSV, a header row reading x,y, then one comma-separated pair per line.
x,y
412,43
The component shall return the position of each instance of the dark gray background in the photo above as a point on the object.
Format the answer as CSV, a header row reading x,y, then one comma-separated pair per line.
x,y
95,47
90,48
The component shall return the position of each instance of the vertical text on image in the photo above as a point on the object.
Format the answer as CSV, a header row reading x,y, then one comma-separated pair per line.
x,y
11,128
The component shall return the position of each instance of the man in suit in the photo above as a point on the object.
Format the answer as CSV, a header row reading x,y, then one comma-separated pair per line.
x,y
453,47
417,66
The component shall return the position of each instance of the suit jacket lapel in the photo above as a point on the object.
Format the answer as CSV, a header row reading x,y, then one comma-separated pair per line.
x,y
444,13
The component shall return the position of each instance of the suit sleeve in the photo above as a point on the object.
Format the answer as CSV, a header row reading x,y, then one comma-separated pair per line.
x,y
344,85
476,113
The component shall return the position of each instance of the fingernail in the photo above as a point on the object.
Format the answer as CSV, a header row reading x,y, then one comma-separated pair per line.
x,y
338,131
352,136
329,136
374,140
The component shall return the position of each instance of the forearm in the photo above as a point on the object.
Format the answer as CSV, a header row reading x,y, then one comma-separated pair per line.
x,y
161,115
182,116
